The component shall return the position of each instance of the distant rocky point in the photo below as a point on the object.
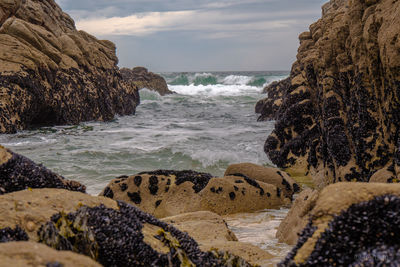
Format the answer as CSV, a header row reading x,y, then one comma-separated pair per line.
x,y
51,73
142,78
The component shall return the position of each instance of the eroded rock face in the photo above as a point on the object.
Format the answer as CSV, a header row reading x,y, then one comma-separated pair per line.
x,y
142,78
351,224
19,173
50,73
337,113
166,193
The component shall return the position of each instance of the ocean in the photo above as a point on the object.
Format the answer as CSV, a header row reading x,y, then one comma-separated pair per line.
x,y
208,124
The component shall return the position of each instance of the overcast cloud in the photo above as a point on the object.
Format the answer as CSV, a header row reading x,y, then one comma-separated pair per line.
x,y
198,35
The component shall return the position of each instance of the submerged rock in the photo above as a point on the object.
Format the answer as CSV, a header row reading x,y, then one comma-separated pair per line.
x,y
51,73
267,175
34,254
351,224
142,78
167,193
19,173
337,115
126,237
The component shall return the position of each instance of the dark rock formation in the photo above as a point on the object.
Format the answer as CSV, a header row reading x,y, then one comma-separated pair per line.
x,y
337,114
50,73
126,237
349,224
9,235
165,193
19,173
142,78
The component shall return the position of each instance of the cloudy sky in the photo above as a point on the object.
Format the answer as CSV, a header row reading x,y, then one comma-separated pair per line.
x,y
198,35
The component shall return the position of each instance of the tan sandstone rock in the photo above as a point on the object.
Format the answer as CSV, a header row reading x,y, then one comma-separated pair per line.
x,y
52,73
168,193
267,175
21,254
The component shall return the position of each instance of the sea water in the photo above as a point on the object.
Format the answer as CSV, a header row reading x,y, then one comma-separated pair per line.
x,y
206,125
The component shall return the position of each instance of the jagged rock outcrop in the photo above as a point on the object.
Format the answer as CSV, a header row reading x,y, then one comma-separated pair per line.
x,y
50,73
351,224
337,114
165,193
142,78
19,173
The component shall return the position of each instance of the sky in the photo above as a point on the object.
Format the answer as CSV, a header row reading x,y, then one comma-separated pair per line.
x,y
198,35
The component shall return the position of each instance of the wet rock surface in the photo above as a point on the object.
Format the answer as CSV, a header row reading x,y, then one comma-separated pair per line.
x,y
351,224
35,254
51,73
336,115
19,173
119,237
269,175
142,78
166,193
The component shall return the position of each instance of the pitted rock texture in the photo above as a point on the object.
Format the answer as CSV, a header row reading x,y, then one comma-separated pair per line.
x,y
30,209
267,175
166,193
142,78
50,73
350,224
9,235
125,237
21,254
19,173
337,115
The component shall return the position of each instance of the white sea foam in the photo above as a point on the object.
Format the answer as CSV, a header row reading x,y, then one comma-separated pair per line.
x,y
237,80
214,90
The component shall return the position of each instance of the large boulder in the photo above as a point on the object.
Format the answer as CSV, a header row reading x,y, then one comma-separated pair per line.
x,y
18,173
51,73
34,254
351,224
166,193
142,78
337,115
267,175
113,233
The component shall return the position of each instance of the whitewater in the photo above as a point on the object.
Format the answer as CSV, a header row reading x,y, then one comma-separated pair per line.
x,y
206,125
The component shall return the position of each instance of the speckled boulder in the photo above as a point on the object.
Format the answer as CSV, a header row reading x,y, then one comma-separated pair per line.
x,y
351,224
21,254
337,115
126,237
8,235
166,193
267,175
51,73
18,173
142,78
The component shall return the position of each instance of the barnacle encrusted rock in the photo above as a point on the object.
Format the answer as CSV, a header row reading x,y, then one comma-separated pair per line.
x,y
127,237
29,209
337,115
142,78
8,234
18,173
350,224
267,175
166,193
51,73
35,254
